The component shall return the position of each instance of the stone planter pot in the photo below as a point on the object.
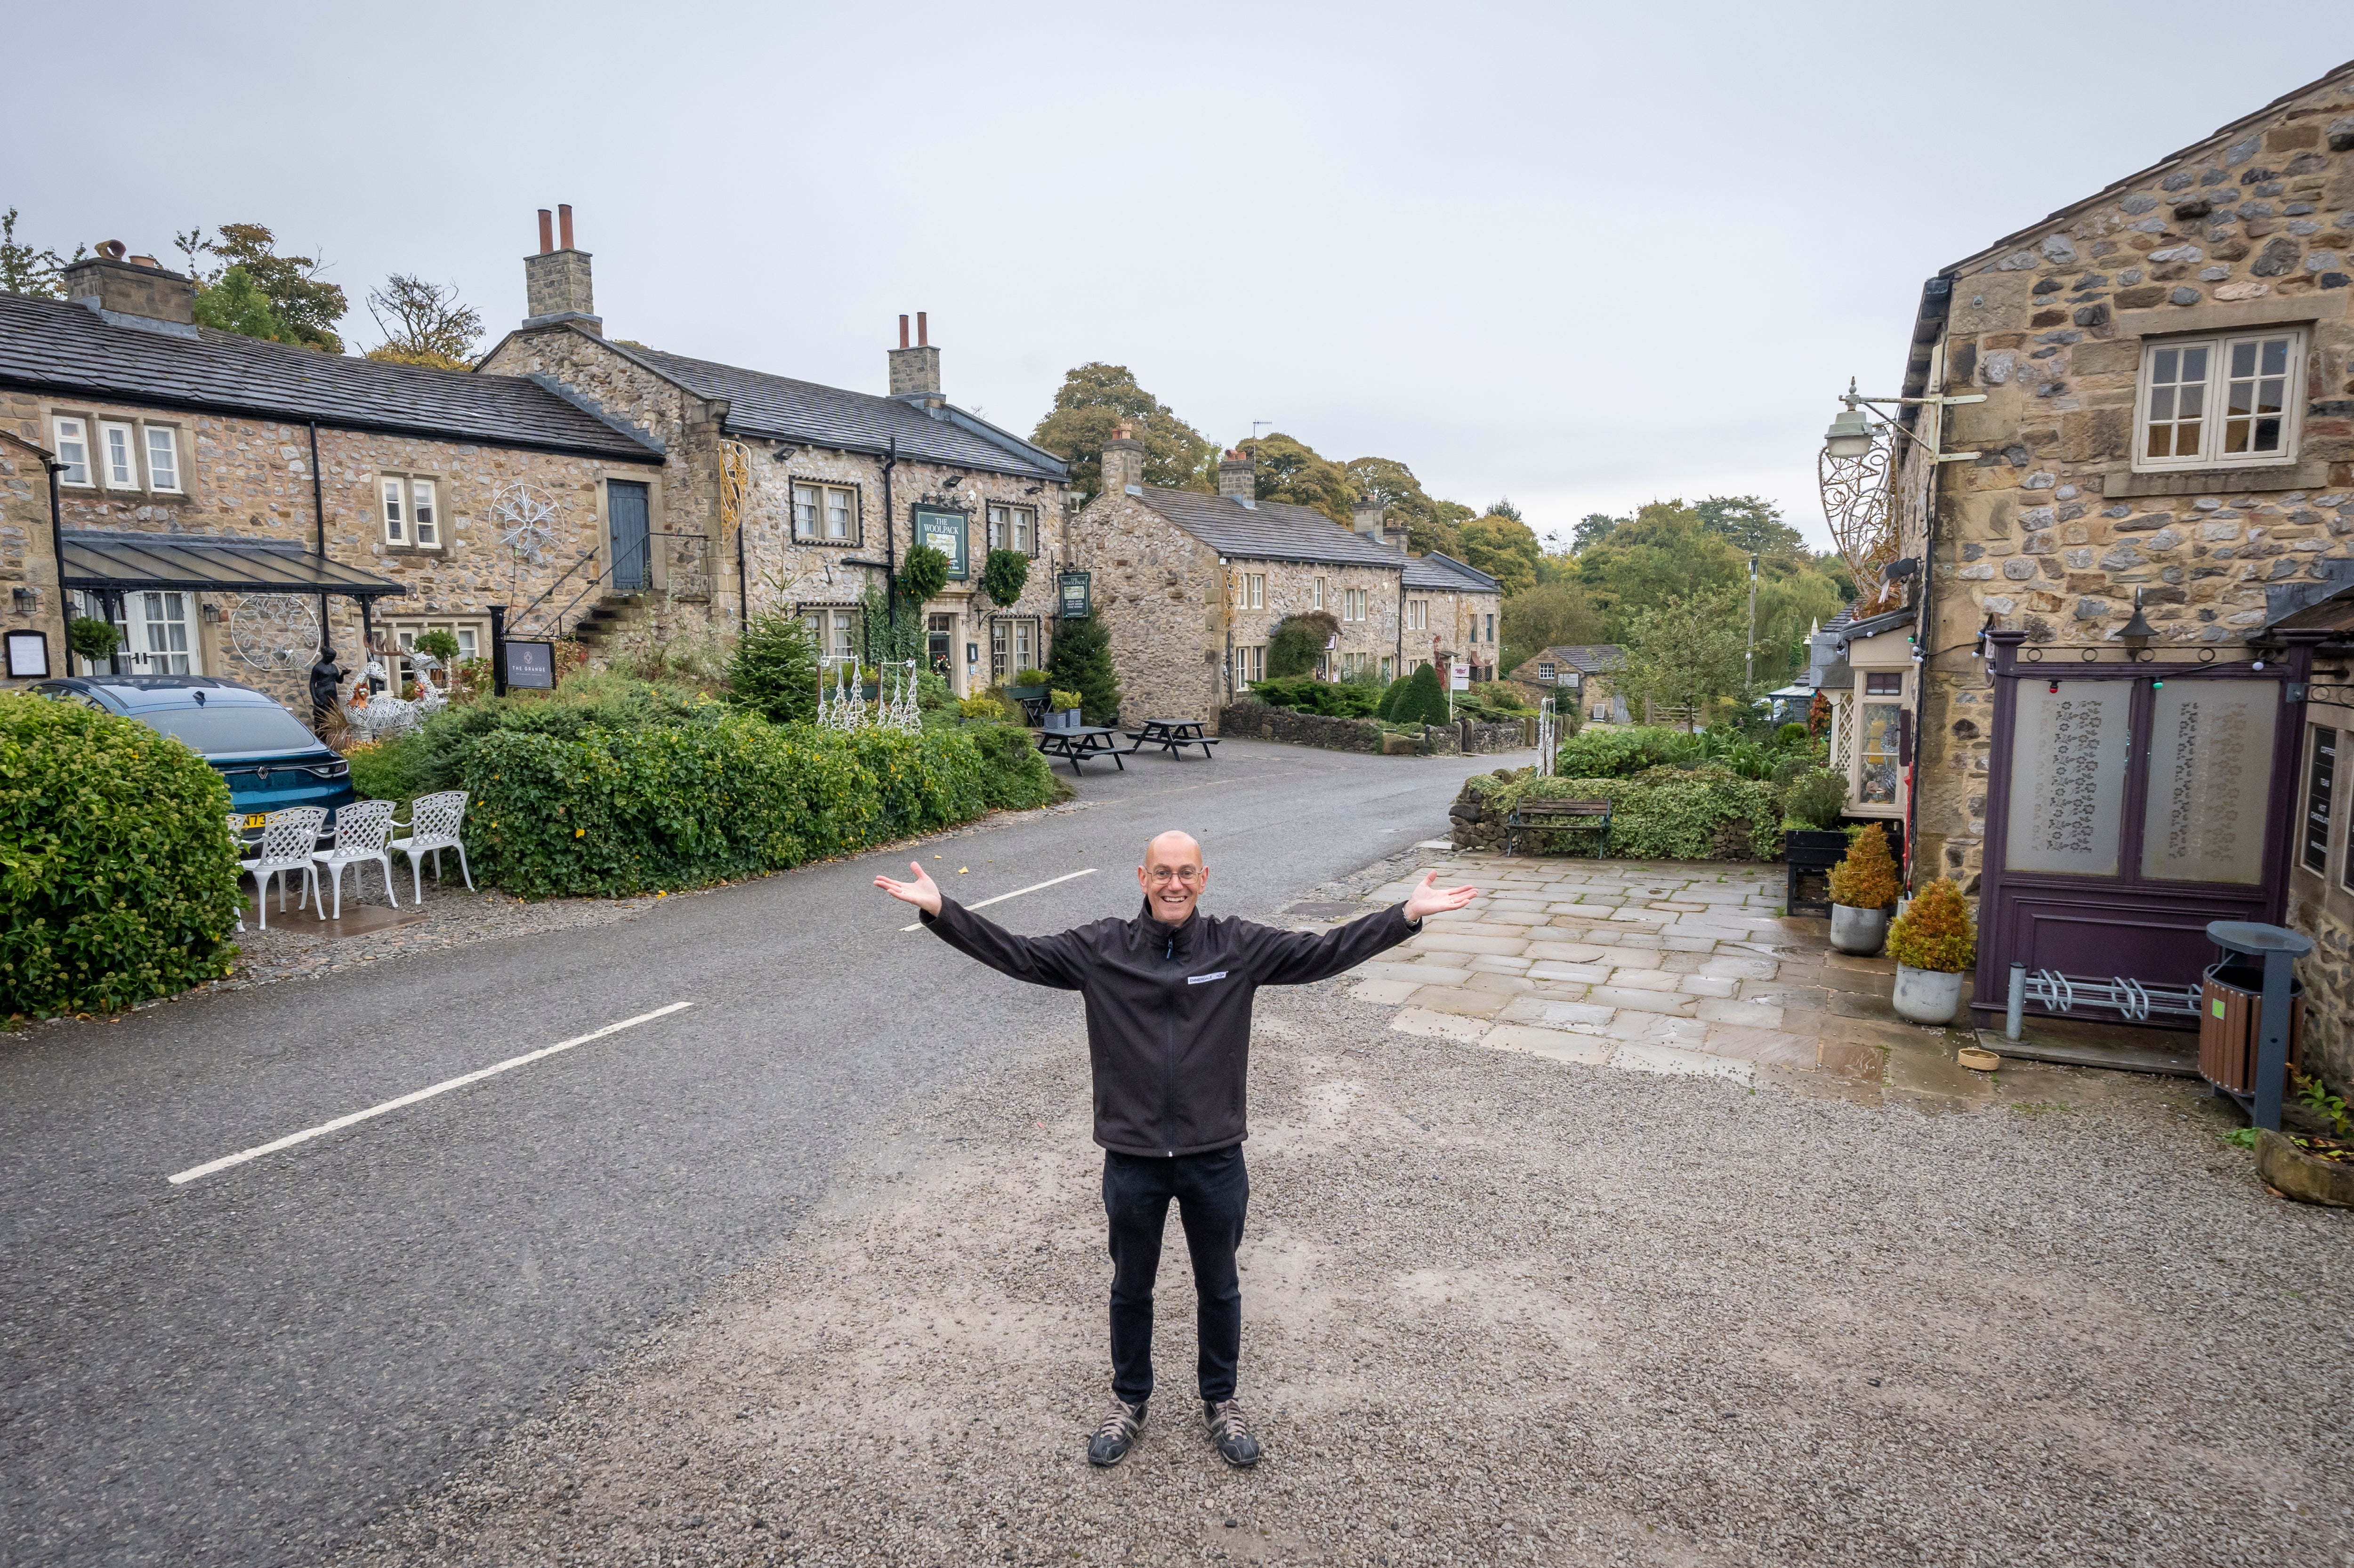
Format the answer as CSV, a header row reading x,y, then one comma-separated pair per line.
x,y
1858,931
1926,996
2292,1173
1069,718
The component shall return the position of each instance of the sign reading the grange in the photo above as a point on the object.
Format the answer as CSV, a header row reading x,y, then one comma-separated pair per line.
x,y
944,532
530,665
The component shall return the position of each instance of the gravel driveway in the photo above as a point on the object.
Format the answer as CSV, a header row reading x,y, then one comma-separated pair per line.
x,y
1498,1308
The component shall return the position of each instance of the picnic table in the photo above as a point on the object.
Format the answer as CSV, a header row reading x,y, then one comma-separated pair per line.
x,y
1172,735
1074,746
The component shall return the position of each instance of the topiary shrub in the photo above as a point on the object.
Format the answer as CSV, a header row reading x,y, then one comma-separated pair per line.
x,y
93,639
1391,693
1063,702
116,867
1423,700
774,672
1297,645
1003,574
1813,798
923,572
1866,879
1935,932
440,643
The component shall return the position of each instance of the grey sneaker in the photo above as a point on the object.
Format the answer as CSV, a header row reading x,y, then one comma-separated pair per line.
x,y
1118,1433
1231,1432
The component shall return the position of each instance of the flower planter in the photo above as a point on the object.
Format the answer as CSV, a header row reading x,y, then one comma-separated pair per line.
x,y
1858,931
2293,1173
1926,996
1069,718
1809,854
1025,694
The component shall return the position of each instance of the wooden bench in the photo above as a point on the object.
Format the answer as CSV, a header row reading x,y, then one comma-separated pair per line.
x,y
1558,816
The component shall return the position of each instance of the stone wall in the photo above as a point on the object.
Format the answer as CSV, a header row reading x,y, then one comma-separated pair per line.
x,y
2052,531
27,559
2327,916
1263,721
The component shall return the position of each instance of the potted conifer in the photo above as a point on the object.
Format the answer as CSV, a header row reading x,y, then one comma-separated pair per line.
x,y
1933,942
1863,887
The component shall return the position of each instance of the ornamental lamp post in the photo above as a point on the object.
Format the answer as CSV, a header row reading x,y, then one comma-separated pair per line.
x,y
2137,632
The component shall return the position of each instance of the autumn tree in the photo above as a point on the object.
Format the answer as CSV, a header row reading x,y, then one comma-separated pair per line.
x,y
1558,614
300,309
423,323
1292,471
1430,525
1505,549
1094,400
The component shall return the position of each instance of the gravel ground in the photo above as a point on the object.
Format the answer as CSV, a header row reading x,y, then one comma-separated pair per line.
x,y
1498,1308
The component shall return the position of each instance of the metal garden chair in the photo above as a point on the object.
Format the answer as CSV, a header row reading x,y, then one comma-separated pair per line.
x,y
433,824
361,830
288,839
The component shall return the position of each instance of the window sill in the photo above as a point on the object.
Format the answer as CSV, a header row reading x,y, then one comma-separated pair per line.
x,y
826,544
2232,481
432,552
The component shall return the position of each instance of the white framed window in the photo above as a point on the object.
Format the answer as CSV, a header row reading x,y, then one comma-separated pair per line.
x,y
163,458
160,640
424,516
396,511
1491,629
1012,647
1418,615
473,639
117,455
1013,528
71,439
1319,593
835,628
1353,604
2219,402
1250,591
1250,664
412,512
1545,672
825,513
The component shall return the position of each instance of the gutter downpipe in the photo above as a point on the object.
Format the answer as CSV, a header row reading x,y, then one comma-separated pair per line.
x,y
57,554
1925,639
318,521
890,552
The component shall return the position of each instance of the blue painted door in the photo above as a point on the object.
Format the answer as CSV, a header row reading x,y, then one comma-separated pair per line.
x,y
626,520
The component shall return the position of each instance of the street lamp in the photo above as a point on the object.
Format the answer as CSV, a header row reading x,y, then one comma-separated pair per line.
x,y
2137,632
1850,435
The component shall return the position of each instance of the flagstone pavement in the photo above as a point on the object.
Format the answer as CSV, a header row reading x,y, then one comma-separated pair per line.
x,y
1676,966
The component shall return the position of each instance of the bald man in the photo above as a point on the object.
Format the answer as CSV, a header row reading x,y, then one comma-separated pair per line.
x,y
1168,1000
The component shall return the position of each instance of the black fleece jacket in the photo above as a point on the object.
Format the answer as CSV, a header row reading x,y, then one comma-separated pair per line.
x,y
1169,1008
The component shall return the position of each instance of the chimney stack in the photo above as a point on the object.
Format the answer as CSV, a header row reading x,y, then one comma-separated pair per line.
x,y
132,290
916,372
556,282
1123,463
1368,516
1238,477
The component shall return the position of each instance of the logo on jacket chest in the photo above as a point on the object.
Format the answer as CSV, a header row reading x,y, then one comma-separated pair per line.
x,y
1204,980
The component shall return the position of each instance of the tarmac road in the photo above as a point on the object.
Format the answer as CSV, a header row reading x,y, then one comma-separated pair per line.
x,y
247,1366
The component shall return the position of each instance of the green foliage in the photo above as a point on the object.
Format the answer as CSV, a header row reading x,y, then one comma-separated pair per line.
x,y
1815,797
1685,652
1430,525
1094,399
774,673
2315,1096
984,706
399,768
894,628
1558,614
1935,932
923,572
1081,661
236,303
1391,697
117,869
93,639
1503,548
1063,702
26,271
1790,734
1619,751
440,643
1307,694
933,694
1292,470
423,322
1029,677
1661,813
276,297
1866,879
1504,507
1015,775
1750,524
1297,645
1003,574
1424,701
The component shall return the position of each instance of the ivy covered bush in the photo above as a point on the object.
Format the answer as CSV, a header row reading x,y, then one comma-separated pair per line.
x,y
117,871
1307,694
1662,813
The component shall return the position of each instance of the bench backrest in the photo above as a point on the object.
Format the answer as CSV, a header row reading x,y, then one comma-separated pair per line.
x,y
1565,808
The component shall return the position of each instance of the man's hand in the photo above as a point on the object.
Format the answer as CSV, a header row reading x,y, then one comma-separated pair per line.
x,y
925,893
1429,900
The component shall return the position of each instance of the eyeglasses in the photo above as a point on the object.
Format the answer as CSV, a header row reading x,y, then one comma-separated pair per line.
x,y
1190,873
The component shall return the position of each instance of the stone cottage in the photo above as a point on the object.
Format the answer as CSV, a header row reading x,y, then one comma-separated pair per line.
x,y
2127,445
777,494
1192,587
212,495
1577,676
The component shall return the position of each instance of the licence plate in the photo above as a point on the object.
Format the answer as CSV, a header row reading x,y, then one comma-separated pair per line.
x,y
255,818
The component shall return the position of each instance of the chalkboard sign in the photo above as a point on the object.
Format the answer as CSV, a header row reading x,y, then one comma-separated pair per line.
x,y
944,532
1074,596
531,665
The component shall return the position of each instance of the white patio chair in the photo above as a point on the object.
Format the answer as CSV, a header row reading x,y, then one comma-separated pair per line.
x,y
288,838
361,830
433,824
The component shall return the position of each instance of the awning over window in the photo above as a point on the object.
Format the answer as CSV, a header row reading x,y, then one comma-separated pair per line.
x,y
128,562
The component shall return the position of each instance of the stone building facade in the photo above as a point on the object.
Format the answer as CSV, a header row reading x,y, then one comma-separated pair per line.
x,y
781,494
1451,612
145,425
1192,587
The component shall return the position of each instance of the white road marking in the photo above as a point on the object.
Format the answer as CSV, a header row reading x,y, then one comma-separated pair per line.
x,y
443,1087
1015,894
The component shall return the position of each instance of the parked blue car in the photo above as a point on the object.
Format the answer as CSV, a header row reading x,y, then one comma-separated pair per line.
x,y
270,759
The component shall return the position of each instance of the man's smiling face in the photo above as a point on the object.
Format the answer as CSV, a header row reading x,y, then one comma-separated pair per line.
x,y
1172,877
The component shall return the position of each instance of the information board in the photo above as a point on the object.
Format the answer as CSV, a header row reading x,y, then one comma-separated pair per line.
x,y
530,665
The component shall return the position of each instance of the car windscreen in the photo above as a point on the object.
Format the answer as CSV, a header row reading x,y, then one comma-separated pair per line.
x,y
226,728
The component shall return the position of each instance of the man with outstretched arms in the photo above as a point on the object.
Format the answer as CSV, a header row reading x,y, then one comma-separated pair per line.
x,y
1168,1009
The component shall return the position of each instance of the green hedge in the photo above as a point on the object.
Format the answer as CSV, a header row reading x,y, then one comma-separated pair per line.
x,y
116,867
618,812
1662,813
1307,694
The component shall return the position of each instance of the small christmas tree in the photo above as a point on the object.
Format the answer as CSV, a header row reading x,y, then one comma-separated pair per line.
x,y
1866,879
1423,700
774,672
1081,663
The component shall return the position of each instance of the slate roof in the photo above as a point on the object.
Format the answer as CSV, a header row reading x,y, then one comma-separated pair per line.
x,y
1586,658
1271,531
58,346
1445,574
201,562
782,409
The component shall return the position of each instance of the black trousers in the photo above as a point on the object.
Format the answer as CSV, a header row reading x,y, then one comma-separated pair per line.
x,y
1211,1190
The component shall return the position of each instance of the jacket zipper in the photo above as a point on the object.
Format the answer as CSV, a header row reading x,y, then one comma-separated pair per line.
x,y
1168,1052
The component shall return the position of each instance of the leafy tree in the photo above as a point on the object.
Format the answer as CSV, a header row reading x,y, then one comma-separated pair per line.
x,y
1003,574
1095,399
1289,470
428,325
1424,701
25,270
774,670
235,302
1661,552
1429,525
1752,524
1504,508
1551,615
1685,651
1592,529
304,310
1787,610
1505,549
1297,642
1081,663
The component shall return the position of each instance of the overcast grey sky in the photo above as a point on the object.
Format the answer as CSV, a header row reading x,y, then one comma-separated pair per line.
x,y
1583,255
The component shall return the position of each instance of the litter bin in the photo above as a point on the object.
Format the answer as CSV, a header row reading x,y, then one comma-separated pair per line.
x,y
2250,1063
2230,1007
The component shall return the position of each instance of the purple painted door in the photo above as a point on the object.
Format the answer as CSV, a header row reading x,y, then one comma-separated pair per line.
x,y
2129,803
